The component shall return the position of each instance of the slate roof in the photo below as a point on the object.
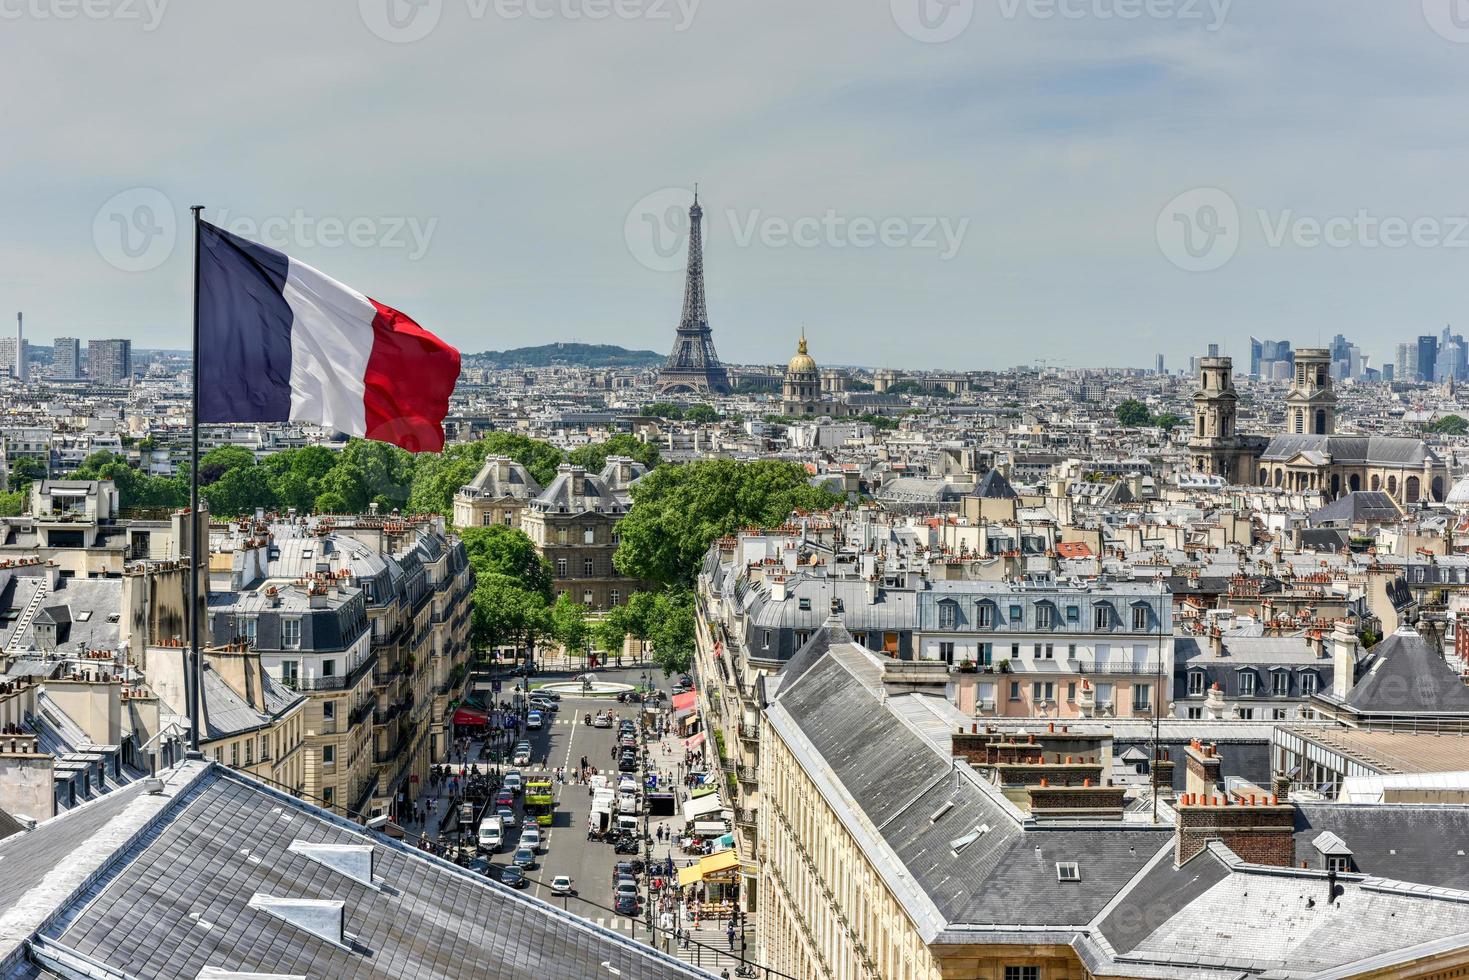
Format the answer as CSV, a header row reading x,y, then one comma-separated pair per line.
x,y
1407,676
176,900
994,486
1406,842
1358,507
1351,450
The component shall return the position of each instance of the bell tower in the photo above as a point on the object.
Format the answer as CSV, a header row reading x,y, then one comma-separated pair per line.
x,y
1213,445
1310,406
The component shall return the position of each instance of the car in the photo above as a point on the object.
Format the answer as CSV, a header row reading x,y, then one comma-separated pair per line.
x,y
505,797
524,858
522,754
628,741
544,707
626,905
506,815
480,866
685,680
513,782
627,764
513,876
533,720
625,886
552,696
561,885
625,869
531,836
603,720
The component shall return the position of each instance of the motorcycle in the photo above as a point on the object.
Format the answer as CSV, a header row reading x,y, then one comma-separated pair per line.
x,y
588,719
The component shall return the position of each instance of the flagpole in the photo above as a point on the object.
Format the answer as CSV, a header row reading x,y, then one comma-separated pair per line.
x,y
196,660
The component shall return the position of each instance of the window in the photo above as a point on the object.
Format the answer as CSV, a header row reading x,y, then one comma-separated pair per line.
x,y
804,605
1246,714
613,597
1045,616
328,795
1100,618
1308,684
1068,871
1073,614
290,634
946,651
948,615
1071,691
1048,652
765,639
328,668
985,615
234,753
588,535
1247,683
290,673
329,710
1016,614
561,535
1142,697
1279,714
1338,863
245,628
1071,651
560,567
1139,618
1196,683
589,568
1194,713
986,654
1280,684
1022,973
1104,693
488,519
249,752
1014,690
328,755
1015,651
1043,691
586,597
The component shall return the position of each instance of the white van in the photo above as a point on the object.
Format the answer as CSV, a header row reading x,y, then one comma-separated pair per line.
x,y
491,834
628,824
627,801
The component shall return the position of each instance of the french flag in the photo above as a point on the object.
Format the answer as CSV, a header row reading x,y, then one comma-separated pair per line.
x,y
281,342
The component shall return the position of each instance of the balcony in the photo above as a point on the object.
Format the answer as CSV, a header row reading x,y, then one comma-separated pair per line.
x,y
337,682
361,713
747,774
749,733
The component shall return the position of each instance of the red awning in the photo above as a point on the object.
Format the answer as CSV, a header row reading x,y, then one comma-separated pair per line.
x,y
694,742
468,716
686,700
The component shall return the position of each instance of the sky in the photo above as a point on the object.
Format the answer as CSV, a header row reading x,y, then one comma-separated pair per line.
x,y
940,184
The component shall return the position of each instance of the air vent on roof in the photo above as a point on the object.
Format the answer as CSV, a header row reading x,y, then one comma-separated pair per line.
x,y
322,919
949,805
220,973
1067,871
959,843
352,860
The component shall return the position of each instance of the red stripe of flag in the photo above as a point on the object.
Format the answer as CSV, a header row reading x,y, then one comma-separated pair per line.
x,y
410,376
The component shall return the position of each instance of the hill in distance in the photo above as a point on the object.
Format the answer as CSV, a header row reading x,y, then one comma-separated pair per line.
x,y
567,355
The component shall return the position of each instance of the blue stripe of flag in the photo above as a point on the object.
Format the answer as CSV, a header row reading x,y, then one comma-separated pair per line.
x,y
244,330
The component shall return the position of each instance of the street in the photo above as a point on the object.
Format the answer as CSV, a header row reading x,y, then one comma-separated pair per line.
x,y
560,745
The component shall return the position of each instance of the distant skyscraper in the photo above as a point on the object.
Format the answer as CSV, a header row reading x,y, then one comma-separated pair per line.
x,y
110,362
1160,364
1427,357
66,359
1406,362
1388,370
1257,348
13,351
1213,350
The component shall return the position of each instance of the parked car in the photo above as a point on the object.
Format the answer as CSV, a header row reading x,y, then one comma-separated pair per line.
x,y
533,720
561,885
513,876
685,680
480,866
625,869
513,782
626,885
628,763
524,858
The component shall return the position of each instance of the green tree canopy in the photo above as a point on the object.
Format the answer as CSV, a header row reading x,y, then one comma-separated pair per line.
x,y
506,612
569,624
1168,420
679,511
500,550
25,470
1133,414
702,414
1450,425
593,457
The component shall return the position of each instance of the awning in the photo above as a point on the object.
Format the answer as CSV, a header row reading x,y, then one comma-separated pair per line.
x,y
710,828
712,865
468,716
694,741
704,790
685,700
694,809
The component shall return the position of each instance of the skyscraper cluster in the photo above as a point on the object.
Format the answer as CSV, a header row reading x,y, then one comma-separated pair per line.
x,y
1271,359
1432,359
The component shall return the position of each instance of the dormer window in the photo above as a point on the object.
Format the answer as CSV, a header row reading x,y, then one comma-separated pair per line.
x,y
1196,683
1045,616
1102,617
1247,683
985,615
804,604
948,614
1139,617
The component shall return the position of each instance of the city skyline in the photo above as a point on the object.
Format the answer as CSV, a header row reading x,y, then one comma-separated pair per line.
x,y
1050,159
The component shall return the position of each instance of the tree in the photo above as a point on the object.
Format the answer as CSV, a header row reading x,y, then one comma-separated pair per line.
x,y
679,511
505,611
13,504
500,550
25,470
702,414
1450,425
593,457
911,387
240,491
569,624
215,463
1133,414
1168,420
672,630
664,410
295,475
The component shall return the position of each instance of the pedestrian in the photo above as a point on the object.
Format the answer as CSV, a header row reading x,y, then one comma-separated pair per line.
x,y
729,933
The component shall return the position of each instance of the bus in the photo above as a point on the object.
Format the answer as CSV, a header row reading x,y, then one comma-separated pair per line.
x,y
539,801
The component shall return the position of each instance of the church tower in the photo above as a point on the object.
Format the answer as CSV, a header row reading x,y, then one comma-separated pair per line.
x,y
1310,406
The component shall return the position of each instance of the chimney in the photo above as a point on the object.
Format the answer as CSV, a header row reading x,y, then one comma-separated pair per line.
x,y
1216,642
1162,776
1202,762
1344,660
871,589
1259,831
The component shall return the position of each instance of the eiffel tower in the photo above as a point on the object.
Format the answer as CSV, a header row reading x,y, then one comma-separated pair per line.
x,y
693,366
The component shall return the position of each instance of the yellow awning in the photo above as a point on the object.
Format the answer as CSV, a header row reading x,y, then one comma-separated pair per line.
x,y
711,865
721,861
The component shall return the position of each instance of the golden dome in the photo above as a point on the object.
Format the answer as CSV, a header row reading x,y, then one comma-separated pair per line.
x,y
801,363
